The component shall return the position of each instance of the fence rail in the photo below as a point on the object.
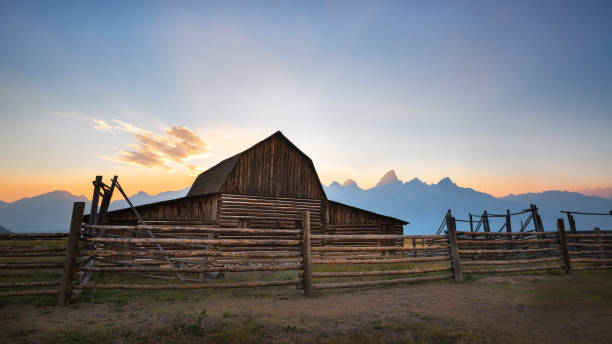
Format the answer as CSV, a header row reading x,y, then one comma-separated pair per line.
x,y
191,253
26,255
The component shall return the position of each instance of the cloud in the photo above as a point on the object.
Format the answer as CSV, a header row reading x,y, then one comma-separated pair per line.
x,y
176,146
102,125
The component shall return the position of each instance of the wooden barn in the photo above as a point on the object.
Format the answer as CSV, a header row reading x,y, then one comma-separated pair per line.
x,y
268,185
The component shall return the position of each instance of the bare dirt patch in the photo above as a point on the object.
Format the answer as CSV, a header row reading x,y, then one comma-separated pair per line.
x,y
513,279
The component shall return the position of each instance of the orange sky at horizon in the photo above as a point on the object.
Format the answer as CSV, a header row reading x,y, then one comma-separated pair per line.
x,y
13,188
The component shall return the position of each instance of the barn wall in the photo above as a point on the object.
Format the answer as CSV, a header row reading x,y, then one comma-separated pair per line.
x,y
199,208
274,168
266,212
343,219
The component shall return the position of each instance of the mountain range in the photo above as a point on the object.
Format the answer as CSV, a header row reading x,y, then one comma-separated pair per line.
x,y
422,204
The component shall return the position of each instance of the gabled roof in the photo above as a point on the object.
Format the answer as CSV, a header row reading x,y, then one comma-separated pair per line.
x,y
213,179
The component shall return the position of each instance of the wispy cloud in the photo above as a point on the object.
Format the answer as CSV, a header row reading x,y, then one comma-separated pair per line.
x,y
176,146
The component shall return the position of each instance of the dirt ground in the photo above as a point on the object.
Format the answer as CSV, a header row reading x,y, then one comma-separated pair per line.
x,y
531,309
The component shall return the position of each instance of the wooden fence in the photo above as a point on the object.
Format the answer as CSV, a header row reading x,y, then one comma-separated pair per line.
x,y
188,256
25,256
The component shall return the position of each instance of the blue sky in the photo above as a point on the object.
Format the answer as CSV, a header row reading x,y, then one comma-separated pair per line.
x,y
500,96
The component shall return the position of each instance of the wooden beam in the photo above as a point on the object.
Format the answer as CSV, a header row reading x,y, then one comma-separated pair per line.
x,y
454,248
567,266
307,279
65,290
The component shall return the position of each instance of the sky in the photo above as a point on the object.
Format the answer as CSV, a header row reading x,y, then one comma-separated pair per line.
x,y
501,96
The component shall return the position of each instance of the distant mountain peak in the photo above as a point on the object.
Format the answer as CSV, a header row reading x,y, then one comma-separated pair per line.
x,y
414,181
334,184
445,181
57,195
349,182
388,179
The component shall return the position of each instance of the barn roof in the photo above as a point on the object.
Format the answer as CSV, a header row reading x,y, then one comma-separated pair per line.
x,y
213,179
371,212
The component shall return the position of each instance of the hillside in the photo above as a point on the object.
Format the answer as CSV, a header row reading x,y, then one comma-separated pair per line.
x,y
50,212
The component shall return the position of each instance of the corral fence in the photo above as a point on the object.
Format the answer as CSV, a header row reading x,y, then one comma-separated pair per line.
x,y
32,261
189,256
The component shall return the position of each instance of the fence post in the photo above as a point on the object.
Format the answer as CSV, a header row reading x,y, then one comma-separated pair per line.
x,y
71,252
454,248
307,278
572,222
597,231
563,246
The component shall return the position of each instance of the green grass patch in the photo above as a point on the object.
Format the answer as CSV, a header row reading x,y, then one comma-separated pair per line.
x,y
585,288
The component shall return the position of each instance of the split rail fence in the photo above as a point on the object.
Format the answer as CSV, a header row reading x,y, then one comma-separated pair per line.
x,y
189,256
31,261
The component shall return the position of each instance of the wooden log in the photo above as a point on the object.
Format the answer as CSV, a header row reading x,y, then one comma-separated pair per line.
x,y
454,248
572,223
373,236
32,254
590,236
379,261
28,284
485,221
575,268
31,265
508,222
380,282
576,253
187,253
307,279
260,260
376,273
588,245
525,250
93,213
508,262
196,241
15,249
531,268
189,286
193,269
33,236
590,260
29,292
514,242
375,248
505,234
597,231
196,229
72,252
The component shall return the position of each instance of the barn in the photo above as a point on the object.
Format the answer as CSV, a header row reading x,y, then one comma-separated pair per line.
x,y
269,185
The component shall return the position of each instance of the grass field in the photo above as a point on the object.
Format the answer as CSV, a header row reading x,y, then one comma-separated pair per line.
x,y
509,308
